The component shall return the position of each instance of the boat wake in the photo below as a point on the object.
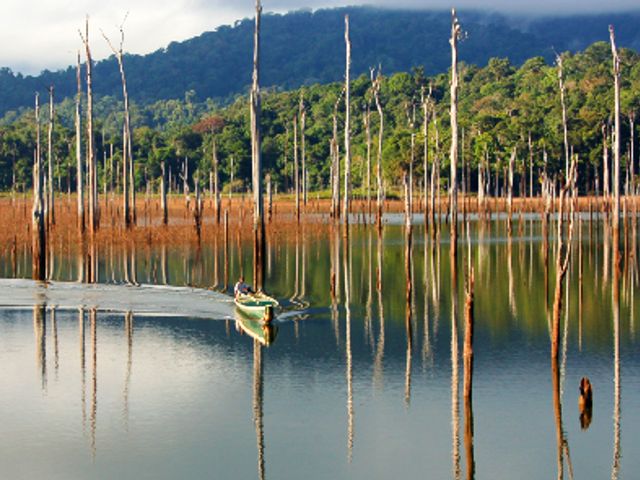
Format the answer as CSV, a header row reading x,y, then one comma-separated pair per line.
x,y
151,300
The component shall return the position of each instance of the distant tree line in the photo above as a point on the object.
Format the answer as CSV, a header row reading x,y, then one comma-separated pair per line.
x,y
502,109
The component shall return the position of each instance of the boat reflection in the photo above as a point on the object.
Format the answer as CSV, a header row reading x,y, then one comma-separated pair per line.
x,y
258,329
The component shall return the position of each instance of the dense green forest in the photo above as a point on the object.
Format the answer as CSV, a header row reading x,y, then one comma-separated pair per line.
x,y
500,107
305,48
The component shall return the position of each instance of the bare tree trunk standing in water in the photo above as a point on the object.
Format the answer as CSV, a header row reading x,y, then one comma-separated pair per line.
x,y
530,144
91,161
39,233
565,129
130,213
426,101
163,192
367,129
376,95
51,219
616,150
125,179
256,157
347,124
632,156
79,174
455,36
269,198
435,178
296,170
216,178
335,163
303,153
512,160
606,191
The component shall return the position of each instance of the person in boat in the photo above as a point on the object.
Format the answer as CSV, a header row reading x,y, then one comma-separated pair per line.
x,y
241,287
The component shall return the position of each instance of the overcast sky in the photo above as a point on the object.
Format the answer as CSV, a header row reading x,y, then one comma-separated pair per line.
x,y
39,34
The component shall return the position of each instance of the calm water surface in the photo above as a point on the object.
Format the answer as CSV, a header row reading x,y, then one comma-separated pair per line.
x,y
370,388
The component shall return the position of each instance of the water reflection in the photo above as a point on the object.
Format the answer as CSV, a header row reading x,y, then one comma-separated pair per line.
x,y
408,265
562,448
379,354
83,371
258,391
93,412
349,357
367,280
585,403
615,468
261,332
469,321
40,330
455,382
128,327
54,332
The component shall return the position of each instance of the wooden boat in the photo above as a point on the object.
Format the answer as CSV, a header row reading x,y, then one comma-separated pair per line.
x,y
255,305
263,332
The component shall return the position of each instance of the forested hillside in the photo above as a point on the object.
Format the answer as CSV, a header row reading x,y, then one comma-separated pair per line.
x,y
501,107
303,48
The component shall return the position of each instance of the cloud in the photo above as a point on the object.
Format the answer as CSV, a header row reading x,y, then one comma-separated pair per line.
x,y
38,34
43,34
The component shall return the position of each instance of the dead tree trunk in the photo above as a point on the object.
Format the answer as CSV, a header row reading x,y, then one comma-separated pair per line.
x,y
463,180
379,198
105,177
130,214
185,184
435,177
426,102
51,219
481,183
125,179
269,198
616,150
256,156
231,179
333,147
406,186
347,123
163,192
632,156
211,186
411,117
565,130
39,233
296,168
303,118
367,130
335,163
91,160
512,160
530,143
216,179
197,211
453,207
606,191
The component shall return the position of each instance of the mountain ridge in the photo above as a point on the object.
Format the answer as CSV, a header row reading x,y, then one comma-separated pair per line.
x,y
305,47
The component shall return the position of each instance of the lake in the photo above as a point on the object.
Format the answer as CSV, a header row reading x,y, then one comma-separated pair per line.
x,y
357,380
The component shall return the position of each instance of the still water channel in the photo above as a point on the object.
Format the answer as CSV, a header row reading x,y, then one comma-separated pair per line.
x,y
370,388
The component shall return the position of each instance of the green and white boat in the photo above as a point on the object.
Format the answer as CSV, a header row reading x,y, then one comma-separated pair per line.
x,y
255,305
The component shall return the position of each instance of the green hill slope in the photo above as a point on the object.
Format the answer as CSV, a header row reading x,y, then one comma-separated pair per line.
x,y
302,48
